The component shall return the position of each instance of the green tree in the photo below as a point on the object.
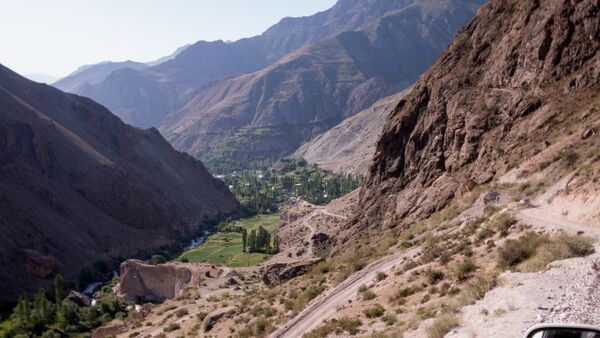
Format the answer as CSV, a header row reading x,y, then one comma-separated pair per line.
x,y
244,239
252,239
59,284
42,314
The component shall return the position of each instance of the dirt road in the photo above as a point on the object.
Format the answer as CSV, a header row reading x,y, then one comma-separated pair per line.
x,y
324,306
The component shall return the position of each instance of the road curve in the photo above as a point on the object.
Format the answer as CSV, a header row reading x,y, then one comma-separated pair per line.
x,y
324,306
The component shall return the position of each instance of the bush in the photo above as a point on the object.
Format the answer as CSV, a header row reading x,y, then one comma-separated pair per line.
x,y
503,222
435,276
462,270
181,312
442,325
389,319
381,276
368,295
477,288
338,326
172,327
534,251
374,311
259,328
157,259
201,315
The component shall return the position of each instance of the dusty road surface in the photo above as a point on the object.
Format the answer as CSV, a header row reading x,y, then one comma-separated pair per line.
x,y
324,306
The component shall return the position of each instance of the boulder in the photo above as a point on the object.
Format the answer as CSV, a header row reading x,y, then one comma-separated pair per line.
x,y
214,317
588,133
491,197
79,298
142,282
109,330
279,272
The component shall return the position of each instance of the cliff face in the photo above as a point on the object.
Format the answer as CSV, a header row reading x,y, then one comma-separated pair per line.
x,y
78,185
513,81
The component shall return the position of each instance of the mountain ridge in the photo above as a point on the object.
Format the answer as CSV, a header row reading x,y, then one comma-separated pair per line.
x,y
77,187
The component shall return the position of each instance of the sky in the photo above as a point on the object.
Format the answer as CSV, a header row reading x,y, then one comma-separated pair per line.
x,y
56,37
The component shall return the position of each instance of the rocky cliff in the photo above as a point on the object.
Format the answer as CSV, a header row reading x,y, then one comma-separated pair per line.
x,y
514,81
77,185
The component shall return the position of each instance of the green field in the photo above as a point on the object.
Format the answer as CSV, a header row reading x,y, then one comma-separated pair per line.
x,y
226,248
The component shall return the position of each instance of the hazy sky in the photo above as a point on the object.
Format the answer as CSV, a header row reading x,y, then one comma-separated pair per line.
x,y
57,36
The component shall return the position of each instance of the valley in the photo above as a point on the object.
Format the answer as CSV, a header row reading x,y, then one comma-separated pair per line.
x,y
379,169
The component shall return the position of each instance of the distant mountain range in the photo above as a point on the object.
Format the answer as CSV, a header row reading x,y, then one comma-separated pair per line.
x,y
42,78
79,185
246,103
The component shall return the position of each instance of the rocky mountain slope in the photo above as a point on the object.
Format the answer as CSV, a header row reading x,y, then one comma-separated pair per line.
x,y
349,146
518,78
79,186
203,61
251,120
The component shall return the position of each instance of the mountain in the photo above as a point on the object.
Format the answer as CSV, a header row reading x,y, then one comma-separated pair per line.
x,y
349,146
89,75
41,78
250,120
170,83
78,186
522,77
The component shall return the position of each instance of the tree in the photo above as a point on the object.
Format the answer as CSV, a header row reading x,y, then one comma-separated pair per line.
x,y
252,247
244,239
263,239
42,313
59,283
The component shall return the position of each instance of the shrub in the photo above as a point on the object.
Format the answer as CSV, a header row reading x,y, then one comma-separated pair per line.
x,y
503,222
534,251
477,288
338,326
462,270
259,328
172,327
201,315
435,276
374,311
442,325
157,259
389,319
381,276
181,312
368,295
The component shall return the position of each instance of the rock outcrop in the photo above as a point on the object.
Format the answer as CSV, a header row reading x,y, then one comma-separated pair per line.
x,y
77,185
514,78
214,317
79,298
280,272
141,282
